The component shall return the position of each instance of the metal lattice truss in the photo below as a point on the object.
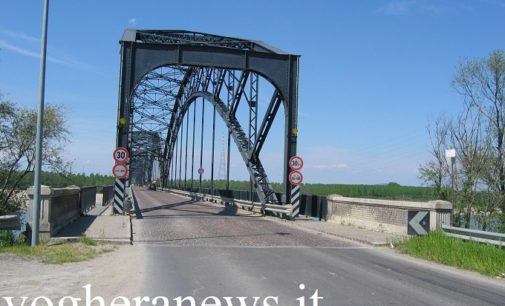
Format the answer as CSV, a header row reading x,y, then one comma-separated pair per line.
x,y
146,149
164,72
151,108
239,87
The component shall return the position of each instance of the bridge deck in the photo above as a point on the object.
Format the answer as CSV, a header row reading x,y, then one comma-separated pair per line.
x,y
172,219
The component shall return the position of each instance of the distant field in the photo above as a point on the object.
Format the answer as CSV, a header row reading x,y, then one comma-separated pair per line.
x,y
391,191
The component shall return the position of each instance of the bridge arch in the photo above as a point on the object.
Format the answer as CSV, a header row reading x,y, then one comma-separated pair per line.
x,y
204,59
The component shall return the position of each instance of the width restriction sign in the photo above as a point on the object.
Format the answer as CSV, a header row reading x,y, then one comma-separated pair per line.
x,y
121,155
295,178
120,171
296,163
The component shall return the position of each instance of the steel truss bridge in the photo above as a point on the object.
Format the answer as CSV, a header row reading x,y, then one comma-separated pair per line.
x,y
165,72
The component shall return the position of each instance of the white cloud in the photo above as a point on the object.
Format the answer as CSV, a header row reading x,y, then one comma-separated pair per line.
x,y
402,7
132,21
20,35
62,60
22,51
397,7
331,166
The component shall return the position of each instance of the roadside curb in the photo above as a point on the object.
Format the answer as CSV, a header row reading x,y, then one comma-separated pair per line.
x,y
76,239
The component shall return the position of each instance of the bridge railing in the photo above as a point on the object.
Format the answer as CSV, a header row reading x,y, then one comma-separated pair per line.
x,y
87,198
60,206
108,195
311,206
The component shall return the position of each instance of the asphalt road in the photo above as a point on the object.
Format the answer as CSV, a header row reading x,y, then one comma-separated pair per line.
x,y
196,249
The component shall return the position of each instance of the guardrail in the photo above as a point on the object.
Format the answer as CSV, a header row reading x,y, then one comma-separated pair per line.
x,y
311,206
108,195
225,197
476,235
87,198
10,222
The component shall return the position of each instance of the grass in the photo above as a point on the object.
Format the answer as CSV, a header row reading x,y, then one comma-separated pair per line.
x,y
470,255
64,252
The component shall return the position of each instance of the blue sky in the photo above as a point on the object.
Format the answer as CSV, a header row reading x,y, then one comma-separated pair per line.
x,y
372,73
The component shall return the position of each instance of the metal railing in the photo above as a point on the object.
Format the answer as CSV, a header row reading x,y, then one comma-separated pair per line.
x,y
475,235
108,195
311,206
87,198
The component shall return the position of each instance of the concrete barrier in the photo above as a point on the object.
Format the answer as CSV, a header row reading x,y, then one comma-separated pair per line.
x,y
58,207
385,215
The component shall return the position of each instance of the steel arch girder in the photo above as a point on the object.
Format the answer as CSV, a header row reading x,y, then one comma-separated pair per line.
x,y
254,166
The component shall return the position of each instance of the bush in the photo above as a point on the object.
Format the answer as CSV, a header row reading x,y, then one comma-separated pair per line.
x,y
6,239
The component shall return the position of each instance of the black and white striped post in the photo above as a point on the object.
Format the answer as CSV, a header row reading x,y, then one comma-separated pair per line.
x,y
295,178
119,195
295,201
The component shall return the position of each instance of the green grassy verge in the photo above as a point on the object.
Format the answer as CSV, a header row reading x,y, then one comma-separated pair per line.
x,y
65,252
469,255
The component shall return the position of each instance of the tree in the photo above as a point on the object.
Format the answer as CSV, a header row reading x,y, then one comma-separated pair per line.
x,y
436,171
482,83
478,135
17,147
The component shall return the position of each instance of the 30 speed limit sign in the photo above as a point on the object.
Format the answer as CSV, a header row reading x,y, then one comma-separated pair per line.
x,y
121,155
120,171
295,178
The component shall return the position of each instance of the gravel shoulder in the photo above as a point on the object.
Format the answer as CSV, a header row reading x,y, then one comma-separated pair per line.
x,y
110,274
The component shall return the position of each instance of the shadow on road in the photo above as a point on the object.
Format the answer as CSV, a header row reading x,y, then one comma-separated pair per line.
x,y
228,211
78,227
217,237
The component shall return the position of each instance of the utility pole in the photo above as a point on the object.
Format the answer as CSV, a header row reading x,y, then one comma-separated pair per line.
x,y
40,129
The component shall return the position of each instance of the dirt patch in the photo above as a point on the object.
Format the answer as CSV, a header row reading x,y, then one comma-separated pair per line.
x,y
110,274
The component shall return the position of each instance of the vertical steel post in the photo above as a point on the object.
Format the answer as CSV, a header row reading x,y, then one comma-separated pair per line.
x,y
175,164
201,141
291,123
213,147
228,162
40,129
193,147
180,153
186,158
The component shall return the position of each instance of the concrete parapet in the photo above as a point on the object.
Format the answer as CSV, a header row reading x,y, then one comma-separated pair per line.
x,y
385,215
58,207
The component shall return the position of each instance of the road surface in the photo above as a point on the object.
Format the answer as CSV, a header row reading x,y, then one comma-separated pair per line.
x,y
198,249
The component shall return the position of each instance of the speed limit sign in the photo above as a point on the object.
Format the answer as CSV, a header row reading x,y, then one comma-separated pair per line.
x,y
121,155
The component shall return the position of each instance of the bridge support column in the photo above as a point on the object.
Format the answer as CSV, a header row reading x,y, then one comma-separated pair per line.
x,y
291,130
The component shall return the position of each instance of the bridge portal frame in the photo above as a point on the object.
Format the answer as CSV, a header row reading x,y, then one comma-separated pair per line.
x,y
145,50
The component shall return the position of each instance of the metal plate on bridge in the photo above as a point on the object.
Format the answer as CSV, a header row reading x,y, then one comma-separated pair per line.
x,y
418,222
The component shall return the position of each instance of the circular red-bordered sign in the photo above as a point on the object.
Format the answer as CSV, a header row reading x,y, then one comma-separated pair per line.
x,y
120,171
121,155
296,163
295,178
201,171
